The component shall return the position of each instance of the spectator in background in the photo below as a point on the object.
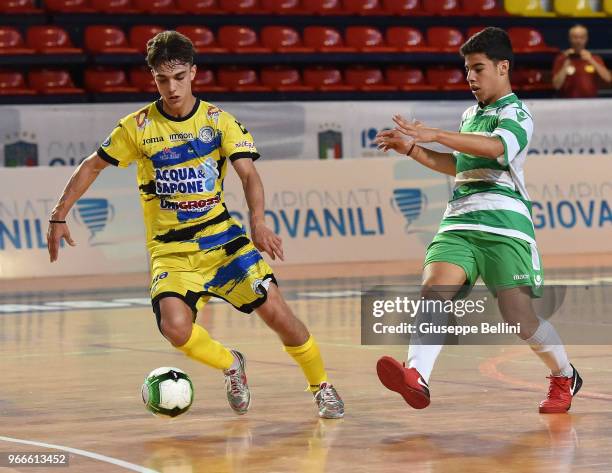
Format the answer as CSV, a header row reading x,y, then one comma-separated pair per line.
x,y
576,70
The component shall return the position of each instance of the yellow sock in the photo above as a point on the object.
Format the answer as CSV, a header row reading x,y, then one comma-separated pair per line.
x,y
309,359
204,349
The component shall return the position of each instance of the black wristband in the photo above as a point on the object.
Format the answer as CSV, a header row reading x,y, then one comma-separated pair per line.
x,y
57,221
411,148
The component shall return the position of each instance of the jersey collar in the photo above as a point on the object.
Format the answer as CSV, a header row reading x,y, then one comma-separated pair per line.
x,y
160,109
511,97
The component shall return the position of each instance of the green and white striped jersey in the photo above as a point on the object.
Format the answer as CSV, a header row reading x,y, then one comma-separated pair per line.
x,y
489,194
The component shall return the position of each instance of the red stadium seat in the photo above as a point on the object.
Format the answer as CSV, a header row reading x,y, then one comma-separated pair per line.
x,y
142,79
240,79
367,79
283,79
202,38
240,39
483,8
327,7
408,79
326,79
407,39
50,39
367,40
283,39
107,40
19,7
141,34
287,7
157,7
200,7
403,7
204,81
472,30
105,80
531,79
442,7
325,39
53,82
242,7
11,42
364,7
444,38
114,7
528,40
69,6
447,79
13,83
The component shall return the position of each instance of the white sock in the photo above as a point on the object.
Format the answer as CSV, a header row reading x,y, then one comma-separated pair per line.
x,y
423,358
547,344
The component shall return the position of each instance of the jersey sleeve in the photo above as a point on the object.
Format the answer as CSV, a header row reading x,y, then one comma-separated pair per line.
x,y
119,149
514,128
558,64
236,141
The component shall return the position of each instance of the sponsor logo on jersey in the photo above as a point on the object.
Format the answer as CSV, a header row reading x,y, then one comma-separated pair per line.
x,y
187,136
245,144
206,134
141,119
520,277
538,280
106,142
190,205
155,139
168,154
260,287
187,180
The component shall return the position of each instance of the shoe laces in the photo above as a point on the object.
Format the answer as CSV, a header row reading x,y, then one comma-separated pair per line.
x,y
235,380
327,394
557,383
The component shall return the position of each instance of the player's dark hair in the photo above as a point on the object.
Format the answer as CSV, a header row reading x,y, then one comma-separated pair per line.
x,y
169,47
493,42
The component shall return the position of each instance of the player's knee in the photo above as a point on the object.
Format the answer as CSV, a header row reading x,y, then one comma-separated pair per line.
x,y
176,329
434,288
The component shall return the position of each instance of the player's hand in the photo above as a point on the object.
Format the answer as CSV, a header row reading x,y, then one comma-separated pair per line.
x,y
393,139
586,55
415,129
266,240
55,233
569,52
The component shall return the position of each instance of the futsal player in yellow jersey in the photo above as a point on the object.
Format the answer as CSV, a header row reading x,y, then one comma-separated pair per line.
x,y
182,146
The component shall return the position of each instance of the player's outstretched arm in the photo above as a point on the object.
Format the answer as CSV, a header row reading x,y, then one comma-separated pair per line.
x,y
397,141
468,143
79,182
264,239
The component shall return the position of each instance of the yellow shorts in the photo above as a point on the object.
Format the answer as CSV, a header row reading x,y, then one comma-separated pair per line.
x,y
234,272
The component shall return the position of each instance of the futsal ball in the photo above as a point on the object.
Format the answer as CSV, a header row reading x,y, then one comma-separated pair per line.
x,y
167,391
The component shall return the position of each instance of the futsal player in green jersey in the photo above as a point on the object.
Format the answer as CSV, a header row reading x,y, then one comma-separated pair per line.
x,y
487,229
181,146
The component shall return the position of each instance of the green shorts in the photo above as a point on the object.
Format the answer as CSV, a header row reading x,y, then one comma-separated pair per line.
x,y
502,262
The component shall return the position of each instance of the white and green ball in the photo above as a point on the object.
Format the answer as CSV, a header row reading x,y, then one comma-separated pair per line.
x,y
167,391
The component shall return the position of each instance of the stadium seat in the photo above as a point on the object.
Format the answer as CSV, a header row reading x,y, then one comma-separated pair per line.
x,y
242,7
114,7
283,39
107,40
442,7
13,83
403,7
367,79
240,79
11,42
528,40
240,39
327,7
283,79
202,38
408,79
101,79
69,6
444,38
141,34
157,7
472,30
447,79
326,79
533,8
576,8
482,8
530,80
50,39
325,39
407,39
204,81
200,7
19,7
53,82
287,7
364,7
142,79
367,40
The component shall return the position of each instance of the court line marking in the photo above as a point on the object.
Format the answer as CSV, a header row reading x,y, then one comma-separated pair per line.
x,y
84,453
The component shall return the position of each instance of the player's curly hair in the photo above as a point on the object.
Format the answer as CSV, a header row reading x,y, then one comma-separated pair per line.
x,y
169,47
493,42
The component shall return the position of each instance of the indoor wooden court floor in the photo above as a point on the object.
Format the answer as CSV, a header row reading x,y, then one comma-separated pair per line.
x,y
71,384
